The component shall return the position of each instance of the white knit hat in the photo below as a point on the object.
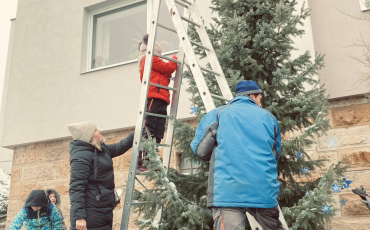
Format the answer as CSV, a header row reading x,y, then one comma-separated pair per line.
x,y
82,131
143,49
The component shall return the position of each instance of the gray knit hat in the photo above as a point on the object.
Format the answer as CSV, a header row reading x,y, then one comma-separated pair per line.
x,y
82,131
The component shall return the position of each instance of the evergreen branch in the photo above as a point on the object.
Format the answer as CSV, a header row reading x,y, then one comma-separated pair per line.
x,y
182,215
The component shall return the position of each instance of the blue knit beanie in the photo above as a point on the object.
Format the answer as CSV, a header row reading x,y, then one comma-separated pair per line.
x,y
247,88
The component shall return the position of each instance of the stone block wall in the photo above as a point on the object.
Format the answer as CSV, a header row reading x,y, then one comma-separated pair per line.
x,y
350,121
39,166
46,165
351,124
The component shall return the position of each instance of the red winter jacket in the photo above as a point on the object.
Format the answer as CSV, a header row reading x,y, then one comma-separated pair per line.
x,y
160,75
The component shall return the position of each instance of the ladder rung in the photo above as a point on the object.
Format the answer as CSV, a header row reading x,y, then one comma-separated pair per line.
x,y
219,97
209,71
138,203
187,2
163,87
167,58
157,115
167,28
194,23
199,45
181,4
163,145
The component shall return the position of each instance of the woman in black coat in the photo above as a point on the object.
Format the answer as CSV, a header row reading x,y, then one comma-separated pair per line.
x,y
91,187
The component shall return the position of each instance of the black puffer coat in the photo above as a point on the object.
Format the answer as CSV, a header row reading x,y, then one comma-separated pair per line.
x,y
94,200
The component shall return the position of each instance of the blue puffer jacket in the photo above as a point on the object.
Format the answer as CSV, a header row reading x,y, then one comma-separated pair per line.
x,y
242,142
47,218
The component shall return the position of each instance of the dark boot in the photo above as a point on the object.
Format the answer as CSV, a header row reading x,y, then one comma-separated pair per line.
x,y
140,167
158,141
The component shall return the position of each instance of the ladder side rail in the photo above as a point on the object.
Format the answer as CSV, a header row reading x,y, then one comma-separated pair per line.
x,y
174,102
190,56
212,57
139,123
171,124
253,223
173,113
282,219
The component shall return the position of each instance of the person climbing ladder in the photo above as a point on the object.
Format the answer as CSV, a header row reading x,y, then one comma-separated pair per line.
x,y
158,98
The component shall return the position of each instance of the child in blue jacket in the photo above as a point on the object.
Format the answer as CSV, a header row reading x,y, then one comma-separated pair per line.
x,y
37,213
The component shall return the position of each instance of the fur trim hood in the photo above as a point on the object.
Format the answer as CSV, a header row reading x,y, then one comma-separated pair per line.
x,y
49,191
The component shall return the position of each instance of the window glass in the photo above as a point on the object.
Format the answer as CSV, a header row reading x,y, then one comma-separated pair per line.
x,y
168,39
186,167
116,34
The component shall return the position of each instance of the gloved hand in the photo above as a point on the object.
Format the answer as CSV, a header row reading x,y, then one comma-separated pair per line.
x,y
364,197
366,202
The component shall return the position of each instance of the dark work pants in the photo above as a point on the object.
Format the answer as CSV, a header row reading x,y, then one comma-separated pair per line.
x,y
234,218
156,125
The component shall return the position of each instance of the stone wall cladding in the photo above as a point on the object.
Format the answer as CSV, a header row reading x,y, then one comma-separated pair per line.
x,y
350,120
351,115
46,165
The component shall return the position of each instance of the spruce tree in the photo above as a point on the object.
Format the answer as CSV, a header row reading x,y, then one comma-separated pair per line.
x,y
253,41
4,191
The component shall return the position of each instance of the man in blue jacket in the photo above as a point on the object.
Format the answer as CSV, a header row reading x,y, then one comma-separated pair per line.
x,y
242,142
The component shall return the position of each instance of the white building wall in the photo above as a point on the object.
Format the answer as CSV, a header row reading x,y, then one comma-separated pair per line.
x,y
6,155
46,88
336,32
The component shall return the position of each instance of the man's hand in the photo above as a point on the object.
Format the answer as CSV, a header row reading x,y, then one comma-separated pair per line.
x,y
81,224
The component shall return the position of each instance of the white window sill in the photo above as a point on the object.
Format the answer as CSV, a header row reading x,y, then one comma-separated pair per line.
x,y
123,63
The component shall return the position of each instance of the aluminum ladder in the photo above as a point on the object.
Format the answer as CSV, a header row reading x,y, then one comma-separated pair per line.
x,y
190,16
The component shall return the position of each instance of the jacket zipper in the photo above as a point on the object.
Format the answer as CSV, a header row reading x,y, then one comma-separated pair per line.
x,y
159,83
38,217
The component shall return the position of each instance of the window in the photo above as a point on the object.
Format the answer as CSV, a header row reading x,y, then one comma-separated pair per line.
x,y
186,167
117,31
168,39
116,34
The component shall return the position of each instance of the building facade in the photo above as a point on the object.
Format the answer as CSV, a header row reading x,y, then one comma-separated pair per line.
x,y
73,61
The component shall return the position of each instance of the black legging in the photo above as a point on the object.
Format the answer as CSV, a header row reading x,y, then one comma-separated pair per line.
x,y
156,125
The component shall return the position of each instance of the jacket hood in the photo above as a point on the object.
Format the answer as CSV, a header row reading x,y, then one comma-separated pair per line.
x,y
57,196
37,198
243,99
77,145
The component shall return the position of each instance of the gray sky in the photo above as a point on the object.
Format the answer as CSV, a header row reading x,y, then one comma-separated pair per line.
x,y
7,11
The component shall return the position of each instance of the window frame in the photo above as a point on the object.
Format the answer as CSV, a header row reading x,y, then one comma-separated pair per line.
x,y
90,36
193,167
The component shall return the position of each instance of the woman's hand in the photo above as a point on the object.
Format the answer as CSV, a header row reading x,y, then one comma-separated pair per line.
x,y
81,224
